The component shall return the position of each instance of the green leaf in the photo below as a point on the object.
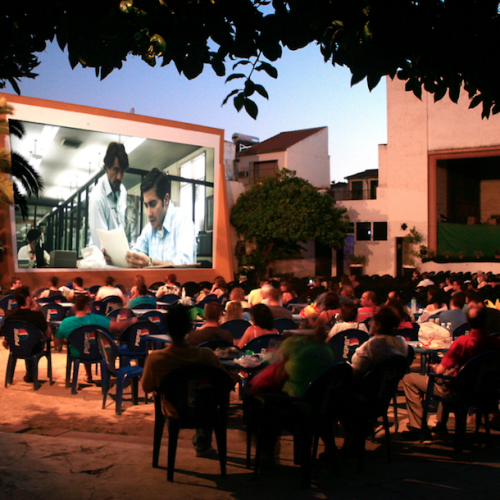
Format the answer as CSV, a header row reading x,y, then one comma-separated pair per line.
x,y
239,101
249,88
229,95
251,108
234,76
261,90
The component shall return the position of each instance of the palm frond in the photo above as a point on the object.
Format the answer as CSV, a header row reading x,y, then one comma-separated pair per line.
x,y
16,128
20,203
26,175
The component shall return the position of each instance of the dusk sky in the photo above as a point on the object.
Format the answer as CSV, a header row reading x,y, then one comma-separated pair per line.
x,y
308,93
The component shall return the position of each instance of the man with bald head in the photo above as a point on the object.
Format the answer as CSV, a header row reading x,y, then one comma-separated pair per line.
x,y
368,306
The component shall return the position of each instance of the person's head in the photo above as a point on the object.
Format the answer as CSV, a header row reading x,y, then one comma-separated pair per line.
x,y
393,296
264,291
457,286
33,236
349,313
274,295
353,278
220,283
178,322
435,295
397,308
481,277
22,296
385,321
237,294
331,301
110,281
262,316
213,312
368,299
142,290
155,189
78,281
139,280
115,164
234,311
348,292
81,303
477,317
457,301
15,283
54,281
171,279
286,287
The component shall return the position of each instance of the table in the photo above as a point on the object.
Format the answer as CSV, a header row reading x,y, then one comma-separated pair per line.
x,y
425,354
159,339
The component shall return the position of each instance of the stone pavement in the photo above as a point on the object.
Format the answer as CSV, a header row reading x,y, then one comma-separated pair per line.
x,y
57,446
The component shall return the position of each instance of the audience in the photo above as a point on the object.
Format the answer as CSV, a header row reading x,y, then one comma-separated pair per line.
x,y
348,314
211,329
109,289
142,298
170,287
262,324
368,306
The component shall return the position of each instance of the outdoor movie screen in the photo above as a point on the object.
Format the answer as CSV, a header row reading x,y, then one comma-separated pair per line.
x,y
81,195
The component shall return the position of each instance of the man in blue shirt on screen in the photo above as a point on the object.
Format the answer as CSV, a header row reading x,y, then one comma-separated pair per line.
x,y
108,200
169,238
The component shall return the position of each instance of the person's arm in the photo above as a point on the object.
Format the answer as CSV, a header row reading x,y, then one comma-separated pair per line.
x,y
97,219
140,259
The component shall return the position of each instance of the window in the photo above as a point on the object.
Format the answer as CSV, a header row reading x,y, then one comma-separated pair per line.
x,y
380,231
363,231
373,189
357,190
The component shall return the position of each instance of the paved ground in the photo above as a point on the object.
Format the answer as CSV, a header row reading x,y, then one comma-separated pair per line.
x,y
55,446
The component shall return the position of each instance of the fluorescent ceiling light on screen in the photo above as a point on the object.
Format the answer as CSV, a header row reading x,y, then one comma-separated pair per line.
x,y
133,143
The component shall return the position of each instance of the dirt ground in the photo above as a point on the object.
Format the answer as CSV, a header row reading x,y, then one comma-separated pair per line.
x,y
53,407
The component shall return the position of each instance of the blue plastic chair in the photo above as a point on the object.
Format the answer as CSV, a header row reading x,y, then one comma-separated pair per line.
x,y
282,324
122,314
93,289
345,343
8,303
112,302
133,341
200,395
236,327
461,330
215,343
156,317
209,298
56,298
23,338
98,307
54,313
109,351
84,342
256,345
169,299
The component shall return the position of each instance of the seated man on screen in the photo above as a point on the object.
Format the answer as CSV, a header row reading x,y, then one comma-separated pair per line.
x,y
29,251
168,239
108,200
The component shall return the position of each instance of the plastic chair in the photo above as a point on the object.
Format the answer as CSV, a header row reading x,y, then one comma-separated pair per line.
x,y
475,385
54,314
345,343
156,285
122,314
223,299
200,396
83,348
282,324
169,299
304,416
55,298
209,298
93,289
110,353
409,334
191,288
98,307
215,343
23,338
236,327
112,302
156,317
145,306
256,345
461,330
377,388
8,303
134,345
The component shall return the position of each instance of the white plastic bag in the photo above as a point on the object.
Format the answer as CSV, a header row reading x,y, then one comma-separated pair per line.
x,y
433,336
93,258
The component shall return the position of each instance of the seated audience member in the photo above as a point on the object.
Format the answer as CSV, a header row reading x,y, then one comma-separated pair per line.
x,y
348,313
426,281
77,289
219,287
53,288
83,317
15,283
178,354
262,324
211,327
170,287
138,280
333,286
330,312
384,343
368,306
315,289
233,311
435,304
462,350
238,295
264,293
255,296
455,315
24,312
482,280
404,318
109,290
277,310
142,298
458,286
447,285
347,295
287,291
395,297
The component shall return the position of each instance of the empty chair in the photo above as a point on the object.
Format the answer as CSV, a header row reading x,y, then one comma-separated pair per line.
x,y
215,343
112,302
54,314
98,307
169,299
282,324
345,343
110,353
56,298
8,303
200,396
26,342
94,289
134,341
268,341
236,327
156,317
122,314
209,298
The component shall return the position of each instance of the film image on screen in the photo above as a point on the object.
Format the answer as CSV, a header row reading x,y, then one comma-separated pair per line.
x,y
71,164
